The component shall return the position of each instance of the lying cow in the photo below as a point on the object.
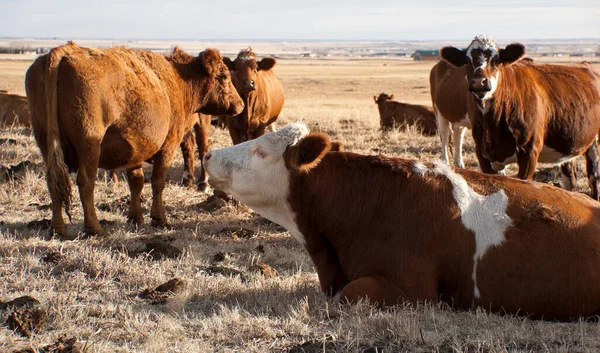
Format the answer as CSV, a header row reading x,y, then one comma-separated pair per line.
x,y
528,113
13,110
116,108
500,243
393,114
261,91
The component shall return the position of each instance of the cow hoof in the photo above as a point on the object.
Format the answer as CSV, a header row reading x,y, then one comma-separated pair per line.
x,y
159,223
188,183
202,186
61,233
136,221
93,231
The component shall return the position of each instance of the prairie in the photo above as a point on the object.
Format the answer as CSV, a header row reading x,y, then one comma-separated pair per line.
x,y
230,301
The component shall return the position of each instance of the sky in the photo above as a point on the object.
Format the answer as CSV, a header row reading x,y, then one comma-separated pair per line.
x,y
300,19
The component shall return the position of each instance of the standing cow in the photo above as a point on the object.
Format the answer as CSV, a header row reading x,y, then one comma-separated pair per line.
x,y
261,91
449,91
500,243
393,114
116,108
200,134
525,112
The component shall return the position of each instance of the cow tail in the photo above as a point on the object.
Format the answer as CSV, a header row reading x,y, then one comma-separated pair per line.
x,y
57,172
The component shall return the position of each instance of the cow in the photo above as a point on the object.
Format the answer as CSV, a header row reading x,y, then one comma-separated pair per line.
x,y
528,112
199,134
261,91
448,87
116,108
499,243
13,110
393,114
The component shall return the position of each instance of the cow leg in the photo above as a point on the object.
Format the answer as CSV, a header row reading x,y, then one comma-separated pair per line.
x,y
444,130
112,176
527,159
202,130
459,132
593,172
187,150
159,174
86,181
57,224
272,127
258,132
328,266
236,135
135,179
383,292
568,179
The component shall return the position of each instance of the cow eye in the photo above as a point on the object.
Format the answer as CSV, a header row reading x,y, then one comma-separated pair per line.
x,y
260,152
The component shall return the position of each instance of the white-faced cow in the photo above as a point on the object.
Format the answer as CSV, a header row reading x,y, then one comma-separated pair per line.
x,y
500,243
449,92
116,108
261,91
527,112
393,114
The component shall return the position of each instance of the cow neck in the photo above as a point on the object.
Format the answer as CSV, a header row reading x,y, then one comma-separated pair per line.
x,y
194,84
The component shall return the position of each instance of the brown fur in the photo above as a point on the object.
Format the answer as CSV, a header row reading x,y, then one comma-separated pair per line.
x,y
115,108
379,242
394,114
264,100
200,133
534,105
449,91
13,110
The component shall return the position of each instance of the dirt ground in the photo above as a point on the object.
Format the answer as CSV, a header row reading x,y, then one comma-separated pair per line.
x,y
243,284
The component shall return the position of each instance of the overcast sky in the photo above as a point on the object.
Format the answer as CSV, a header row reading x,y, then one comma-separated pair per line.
x,y
300,19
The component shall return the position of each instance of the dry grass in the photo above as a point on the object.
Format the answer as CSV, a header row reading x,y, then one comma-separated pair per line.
x,y
90,292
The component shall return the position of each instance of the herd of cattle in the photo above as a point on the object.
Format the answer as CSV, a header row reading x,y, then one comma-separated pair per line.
x,y
501,243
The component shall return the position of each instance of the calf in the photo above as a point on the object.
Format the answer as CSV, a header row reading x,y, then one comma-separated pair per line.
x,y
500,243
13,110
526,112
393,114
449,92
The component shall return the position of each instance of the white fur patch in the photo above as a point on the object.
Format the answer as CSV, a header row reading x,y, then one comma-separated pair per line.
x,y
550,155
483,215
483,43
420,168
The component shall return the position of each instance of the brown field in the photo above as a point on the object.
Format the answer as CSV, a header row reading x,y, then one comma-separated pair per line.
x,y
227,305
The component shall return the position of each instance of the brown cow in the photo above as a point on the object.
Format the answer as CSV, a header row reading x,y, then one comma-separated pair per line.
x,y
261,91
528,112
449,92
13,110
116,108
200,133
499,243
393,114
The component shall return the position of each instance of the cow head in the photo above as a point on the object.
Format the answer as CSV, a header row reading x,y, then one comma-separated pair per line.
x,y
219,95
244,70
483,59
257,172
383,98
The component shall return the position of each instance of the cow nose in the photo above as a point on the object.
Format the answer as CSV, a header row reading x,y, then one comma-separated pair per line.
x,y
249,84
480,84
206,157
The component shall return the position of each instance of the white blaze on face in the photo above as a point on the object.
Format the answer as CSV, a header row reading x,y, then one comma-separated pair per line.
x,y
254,172
484,215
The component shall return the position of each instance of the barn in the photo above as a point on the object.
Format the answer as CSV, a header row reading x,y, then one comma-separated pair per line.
x,y
426,55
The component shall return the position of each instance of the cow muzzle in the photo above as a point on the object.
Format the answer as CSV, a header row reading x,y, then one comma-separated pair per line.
x,y
480,86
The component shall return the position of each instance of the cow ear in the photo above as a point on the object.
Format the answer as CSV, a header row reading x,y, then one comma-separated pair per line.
x,y
211,60
454,56
392,97
337,146
512,53
375,99
266,64
308,152
230,65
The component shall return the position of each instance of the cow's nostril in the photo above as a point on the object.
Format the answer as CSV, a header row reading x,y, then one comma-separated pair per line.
x,y
207,156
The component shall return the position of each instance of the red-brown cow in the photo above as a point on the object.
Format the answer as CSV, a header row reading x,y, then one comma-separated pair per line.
x,y
501,243
528,112
201,134
449,92
261,91
13,110
116,108
393,114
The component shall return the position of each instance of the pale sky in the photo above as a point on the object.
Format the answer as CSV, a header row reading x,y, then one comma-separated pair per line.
x,y
300,19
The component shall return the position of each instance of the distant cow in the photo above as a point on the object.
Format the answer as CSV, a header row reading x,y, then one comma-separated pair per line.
x,y
528,112
199,134
13,110
116,108
261,91
448,86
500,243
393,114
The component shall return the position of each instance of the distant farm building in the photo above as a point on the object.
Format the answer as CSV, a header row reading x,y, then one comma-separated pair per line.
x,y
426,55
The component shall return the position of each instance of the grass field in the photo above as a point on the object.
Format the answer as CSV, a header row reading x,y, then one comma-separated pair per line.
x,y
229,301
